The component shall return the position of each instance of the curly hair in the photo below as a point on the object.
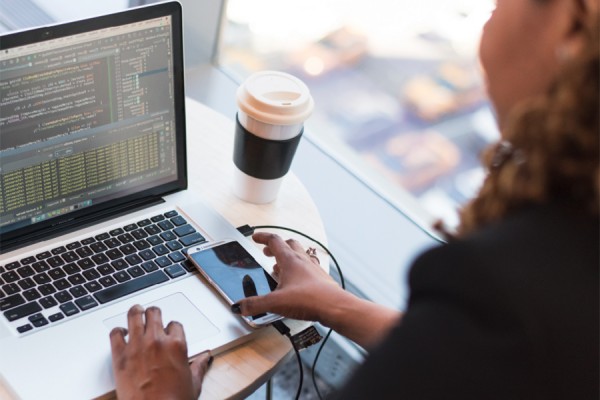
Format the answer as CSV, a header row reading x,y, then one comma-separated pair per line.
x,y
550,148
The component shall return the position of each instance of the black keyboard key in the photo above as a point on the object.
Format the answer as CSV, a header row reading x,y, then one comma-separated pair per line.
x,y
38,320
11,288
26,271
41,266
102,236
100,258
48,302
10,276
192,239
76,279
84,252
57,273
46,289
141,245
188,266
122,276
69,309
174,270
12,265
184,230
42,278
168,236
149,266
105,269
166,225
31,294
86,263
91,274
22,311
133,259
126,238
93,286
71,269
63,296
157,218
136,271
24,328
27,260
55,261
163,262
154,240
86,302
171,214
178,220
144,222
119,264
45,254
147,254
128,249
107,281
26,283
56,317
139,234
70,256
98,247
112,243
11,301
152,230
62,284
73,246
161,250
78,291
174,245
116,232
123,289
87,241
59,250
177,257
130,227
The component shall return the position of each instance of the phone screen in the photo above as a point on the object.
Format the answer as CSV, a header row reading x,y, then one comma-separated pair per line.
x,y
234,270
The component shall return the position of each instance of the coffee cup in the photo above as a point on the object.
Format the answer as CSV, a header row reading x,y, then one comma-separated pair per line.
x,y
272,108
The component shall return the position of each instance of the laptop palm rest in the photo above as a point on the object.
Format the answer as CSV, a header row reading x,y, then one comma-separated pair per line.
x,y
175,307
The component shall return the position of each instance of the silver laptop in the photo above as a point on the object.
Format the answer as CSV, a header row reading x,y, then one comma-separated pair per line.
x,y
94,211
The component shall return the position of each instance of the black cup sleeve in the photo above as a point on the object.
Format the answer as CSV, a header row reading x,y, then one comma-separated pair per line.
x,y
263,158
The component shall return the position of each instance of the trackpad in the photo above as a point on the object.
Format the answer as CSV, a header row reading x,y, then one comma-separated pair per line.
x,y
175,307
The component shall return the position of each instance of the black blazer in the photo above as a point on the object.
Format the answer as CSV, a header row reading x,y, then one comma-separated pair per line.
x,y
510,312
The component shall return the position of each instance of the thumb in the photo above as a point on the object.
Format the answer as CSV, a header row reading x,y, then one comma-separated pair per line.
x,y
199,367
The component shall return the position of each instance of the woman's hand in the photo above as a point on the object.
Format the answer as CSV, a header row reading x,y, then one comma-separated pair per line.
x,y
303,286
153,363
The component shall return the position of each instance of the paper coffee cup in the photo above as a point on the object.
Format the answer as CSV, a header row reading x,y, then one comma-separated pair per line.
x,y
270,121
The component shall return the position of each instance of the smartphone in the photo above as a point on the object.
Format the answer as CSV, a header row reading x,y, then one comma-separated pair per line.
x,y
235,274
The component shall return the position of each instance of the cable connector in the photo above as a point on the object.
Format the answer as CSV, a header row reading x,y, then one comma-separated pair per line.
x,y
281,328
246,230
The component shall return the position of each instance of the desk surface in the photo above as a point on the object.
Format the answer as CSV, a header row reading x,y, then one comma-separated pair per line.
x,y
240,371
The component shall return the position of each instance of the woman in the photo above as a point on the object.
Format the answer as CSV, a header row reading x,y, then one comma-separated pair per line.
x,y
509,308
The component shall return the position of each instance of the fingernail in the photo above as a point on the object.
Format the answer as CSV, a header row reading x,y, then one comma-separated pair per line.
x,y
236,309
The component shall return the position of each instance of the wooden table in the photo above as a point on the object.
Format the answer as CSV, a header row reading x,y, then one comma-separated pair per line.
x,y
240,371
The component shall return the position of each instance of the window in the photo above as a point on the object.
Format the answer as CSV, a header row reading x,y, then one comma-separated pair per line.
x,y
396,84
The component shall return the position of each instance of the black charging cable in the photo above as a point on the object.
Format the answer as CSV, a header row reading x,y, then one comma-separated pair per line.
x,y
247,230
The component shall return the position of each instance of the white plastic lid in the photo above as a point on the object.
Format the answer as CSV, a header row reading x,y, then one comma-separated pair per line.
x,y
275,98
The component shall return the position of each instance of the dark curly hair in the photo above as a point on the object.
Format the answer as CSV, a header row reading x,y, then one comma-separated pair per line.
x,y
550,147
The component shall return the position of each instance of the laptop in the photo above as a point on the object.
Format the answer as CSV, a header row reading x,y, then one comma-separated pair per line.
x,y
94,212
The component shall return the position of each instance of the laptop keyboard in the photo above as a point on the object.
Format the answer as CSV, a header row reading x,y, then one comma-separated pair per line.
x,y
84,274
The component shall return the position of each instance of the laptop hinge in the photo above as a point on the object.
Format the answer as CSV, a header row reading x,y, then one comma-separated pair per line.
x,y
79,223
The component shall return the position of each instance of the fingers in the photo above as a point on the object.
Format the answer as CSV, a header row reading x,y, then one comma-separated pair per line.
x,y
154,323
117,340
135,322
254,305
175,329
276,246
199,367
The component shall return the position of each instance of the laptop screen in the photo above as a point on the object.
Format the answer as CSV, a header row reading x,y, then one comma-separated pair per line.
x,y
91,117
